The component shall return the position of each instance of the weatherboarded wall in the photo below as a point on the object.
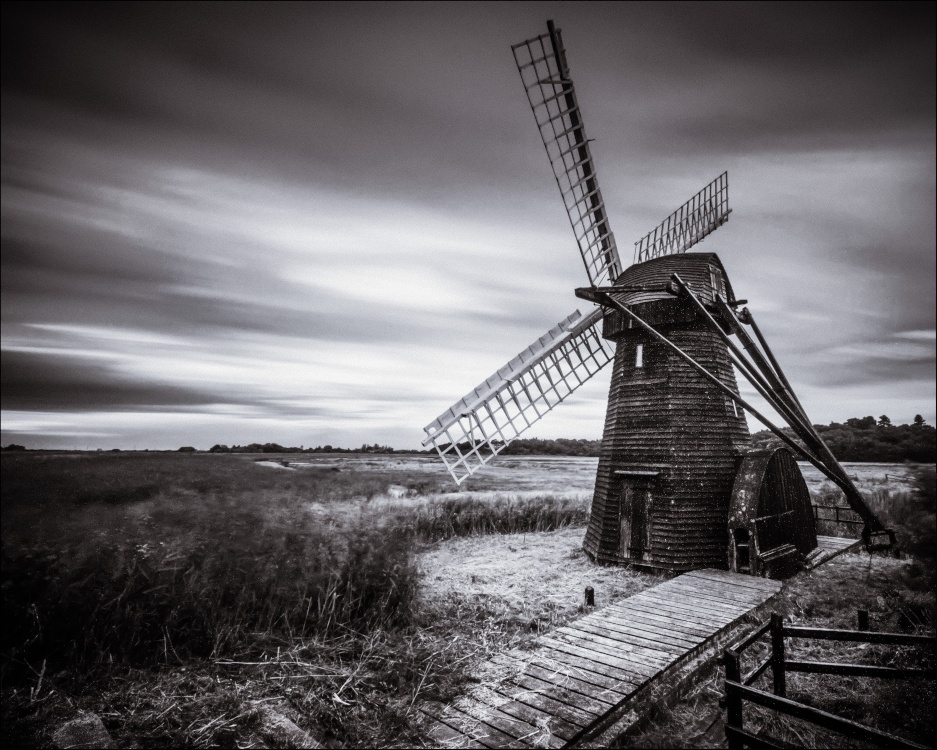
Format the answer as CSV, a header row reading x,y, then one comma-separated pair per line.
x,y
672,440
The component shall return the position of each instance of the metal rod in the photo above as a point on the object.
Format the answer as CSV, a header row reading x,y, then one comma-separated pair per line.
x,y
853,496
746,313
610,302
784,391
801,433
774,397
748,369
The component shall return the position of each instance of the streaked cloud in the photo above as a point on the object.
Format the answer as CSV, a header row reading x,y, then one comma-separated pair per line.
x,y
325,223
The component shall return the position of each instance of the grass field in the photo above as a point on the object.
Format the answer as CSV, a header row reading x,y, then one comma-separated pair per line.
x,y
174,594
130,580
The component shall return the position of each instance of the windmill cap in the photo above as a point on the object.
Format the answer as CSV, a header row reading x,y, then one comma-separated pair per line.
x,y
649,281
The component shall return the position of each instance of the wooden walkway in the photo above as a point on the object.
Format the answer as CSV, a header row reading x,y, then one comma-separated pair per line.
x,y
582,676
829,547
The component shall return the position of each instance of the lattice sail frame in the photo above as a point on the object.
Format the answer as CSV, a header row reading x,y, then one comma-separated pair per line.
x,y
701,215
480,425
542,64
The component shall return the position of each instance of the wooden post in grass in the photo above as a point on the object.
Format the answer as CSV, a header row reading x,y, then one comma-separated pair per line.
x,y
777,654
863,619
590,596
733,699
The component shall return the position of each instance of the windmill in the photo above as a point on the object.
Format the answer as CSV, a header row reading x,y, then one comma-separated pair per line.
x,y
678,486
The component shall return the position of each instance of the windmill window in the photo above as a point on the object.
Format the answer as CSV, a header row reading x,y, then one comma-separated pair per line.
x,y
639,355
715,279
732,407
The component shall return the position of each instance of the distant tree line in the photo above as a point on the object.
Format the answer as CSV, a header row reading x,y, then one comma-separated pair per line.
x,y
858,439
277,448
558,447
870,439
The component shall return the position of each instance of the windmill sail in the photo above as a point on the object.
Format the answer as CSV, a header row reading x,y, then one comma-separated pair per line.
x,y
480,425
542,64
703,214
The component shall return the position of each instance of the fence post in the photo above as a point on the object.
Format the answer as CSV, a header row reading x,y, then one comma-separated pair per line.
x,y
733,699
777,654
590,596
863,619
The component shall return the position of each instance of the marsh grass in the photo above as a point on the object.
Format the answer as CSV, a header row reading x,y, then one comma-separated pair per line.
x,y
173,590
446,518
912,515
200,579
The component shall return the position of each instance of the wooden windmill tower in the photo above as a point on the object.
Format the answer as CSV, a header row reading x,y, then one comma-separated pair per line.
x,y
677,487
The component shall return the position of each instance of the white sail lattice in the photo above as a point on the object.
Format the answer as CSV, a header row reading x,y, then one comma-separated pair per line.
x,y
542,64
699,217
480,425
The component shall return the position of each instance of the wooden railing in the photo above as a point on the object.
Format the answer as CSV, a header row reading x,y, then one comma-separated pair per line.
x,y
738,687
854,520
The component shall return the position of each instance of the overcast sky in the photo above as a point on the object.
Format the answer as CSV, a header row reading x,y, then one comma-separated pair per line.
x,y
314,224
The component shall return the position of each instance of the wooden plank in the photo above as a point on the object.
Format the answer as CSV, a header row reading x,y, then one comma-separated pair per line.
x,y
608,698
594,643
698,609
673,596
576,716
448,737
756,583
717,588
653,616
588,670
636,654
633,653
730,582
702,598
737,579
736,583
647,635
719,593
642,624
565,679
577,649
563,694
474,729
692,617
652,633
591,663
491,716
837,542
625,635
555,725
639,621
672,606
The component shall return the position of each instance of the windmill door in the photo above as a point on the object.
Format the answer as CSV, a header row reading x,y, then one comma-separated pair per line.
x,y
634,519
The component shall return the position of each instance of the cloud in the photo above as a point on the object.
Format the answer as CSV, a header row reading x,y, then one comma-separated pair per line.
x,y
59,382
339,217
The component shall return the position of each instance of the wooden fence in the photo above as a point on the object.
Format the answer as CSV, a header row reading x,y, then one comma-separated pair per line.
x,y
738,687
